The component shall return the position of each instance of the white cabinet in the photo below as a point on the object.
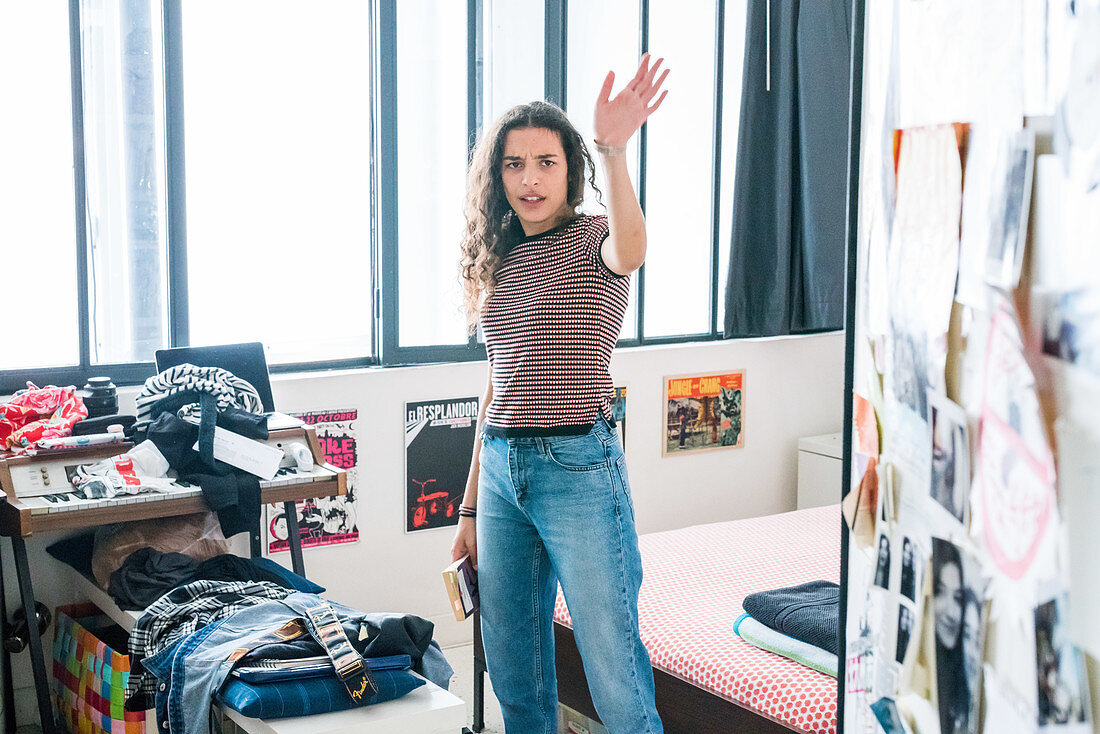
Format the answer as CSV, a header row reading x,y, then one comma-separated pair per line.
x,y
820,459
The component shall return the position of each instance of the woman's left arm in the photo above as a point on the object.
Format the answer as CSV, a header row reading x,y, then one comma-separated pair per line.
x,y
616,121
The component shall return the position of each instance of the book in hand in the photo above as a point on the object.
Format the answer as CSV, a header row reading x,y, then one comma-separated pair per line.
x,y
460,578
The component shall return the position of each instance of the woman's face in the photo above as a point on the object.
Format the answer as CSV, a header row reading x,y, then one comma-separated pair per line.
x,y
535,177
948,596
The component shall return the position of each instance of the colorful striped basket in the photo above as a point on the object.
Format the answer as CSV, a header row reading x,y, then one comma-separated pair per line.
x,y
89,678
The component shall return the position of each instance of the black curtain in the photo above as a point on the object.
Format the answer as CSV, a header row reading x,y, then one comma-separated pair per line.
x,y
787,259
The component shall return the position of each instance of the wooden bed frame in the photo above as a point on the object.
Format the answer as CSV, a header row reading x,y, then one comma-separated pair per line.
x,y
684,708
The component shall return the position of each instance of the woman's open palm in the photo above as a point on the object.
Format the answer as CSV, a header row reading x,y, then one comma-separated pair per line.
x,y
616,120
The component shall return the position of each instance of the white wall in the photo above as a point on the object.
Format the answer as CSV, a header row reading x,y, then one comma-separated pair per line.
x,y
793,388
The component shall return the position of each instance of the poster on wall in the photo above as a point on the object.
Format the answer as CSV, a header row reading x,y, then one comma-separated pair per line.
x,y
704,412
323,520
439,442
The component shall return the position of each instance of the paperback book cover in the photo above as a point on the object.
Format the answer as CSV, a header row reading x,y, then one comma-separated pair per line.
x,y
461,582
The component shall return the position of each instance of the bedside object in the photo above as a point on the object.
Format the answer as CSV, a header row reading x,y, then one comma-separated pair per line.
x,y
820,459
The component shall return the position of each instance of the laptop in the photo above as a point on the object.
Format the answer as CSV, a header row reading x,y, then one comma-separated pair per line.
x,y
246,361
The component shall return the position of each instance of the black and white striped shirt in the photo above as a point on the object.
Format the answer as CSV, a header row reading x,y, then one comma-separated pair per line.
x,y
549,328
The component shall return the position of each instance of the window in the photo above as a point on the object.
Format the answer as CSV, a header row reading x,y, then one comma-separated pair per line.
x,y
294,172
277,142
37,216
432,133
679,172
122,65
603,36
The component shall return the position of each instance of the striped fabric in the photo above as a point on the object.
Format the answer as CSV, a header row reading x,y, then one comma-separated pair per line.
x,y
183,610
550,327
229,390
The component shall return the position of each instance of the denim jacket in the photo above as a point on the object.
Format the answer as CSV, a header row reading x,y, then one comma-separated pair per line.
x,y
191,672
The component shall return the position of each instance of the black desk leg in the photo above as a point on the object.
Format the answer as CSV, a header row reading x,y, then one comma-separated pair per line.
x,y
9,690
34,638
294,537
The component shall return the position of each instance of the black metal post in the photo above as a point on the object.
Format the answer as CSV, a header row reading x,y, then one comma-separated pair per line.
x,y
5,630
34,638
294,537
855,115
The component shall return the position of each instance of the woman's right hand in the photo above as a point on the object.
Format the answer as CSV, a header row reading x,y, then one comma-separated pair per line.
x,y
465,542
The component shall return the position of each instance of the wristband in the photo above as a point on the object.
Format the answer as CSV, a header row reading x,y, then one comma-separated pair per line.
x,y
609,150
464,511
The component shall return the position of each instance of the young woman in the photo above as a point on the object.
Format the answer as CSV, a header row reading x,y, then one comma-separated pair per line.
x,y
548,499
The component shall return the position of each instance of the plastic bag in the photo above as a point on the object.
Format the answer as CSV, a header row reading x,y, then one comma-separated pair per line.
x,y
199,536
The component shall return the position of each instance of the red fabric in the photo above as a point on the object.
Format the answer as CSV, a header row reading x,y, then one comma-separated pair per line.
x,y
695,580
37,413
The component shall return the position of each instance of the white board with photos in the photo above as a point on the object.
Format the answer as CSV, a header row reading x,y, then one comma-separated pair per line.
x,y
972,518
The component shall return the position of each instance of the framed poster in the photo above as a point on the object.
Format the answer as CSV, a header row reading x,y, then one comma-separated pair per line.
x,y
323,520
704,412
439,443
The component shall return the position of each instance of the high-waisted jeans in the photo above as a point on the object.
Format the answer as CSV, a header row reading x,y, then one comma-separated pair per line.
x,y
559,509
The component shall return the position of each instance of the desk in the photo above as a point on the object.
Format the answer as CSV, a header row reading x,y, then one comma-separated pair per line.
x,y
18,521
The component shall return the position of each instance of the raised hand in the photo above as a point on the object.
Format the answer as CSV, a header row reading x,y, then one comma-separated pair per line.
x,y
616,120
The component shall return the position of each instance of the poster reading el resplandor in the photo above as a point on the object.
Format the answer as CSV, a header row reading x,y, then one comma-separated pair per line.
x,y
439,443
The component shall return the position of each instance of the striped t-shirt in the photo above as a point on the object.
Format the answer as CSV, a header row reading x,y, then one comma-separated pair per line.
x,y
550,327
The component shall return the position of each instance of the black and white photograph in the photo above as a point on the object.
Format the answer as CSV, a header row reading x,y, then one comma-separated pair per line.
x,y
907,369
911,561
957,603
950,456
1071,326
1060,667
886,711
905,631
1006,238
882,564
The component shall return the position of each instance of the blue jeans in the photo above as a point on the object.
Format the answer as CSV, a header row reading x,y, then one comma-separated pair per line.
x,y
558,509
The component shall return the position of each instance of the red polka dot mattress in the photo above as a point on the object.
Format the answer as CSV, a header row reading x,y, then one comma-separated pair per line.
x,y
695,580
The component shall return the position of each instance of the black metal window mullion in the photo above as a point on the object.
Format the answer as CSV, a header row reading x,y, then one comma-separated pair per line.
x,y
179,315
556,28
83,294
716,200
643,134
386,140
475,92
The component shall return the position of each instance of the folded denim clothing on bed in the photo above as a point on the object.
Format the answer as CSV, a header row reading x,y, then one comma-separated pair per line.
x,y
759,635
808,612
310,696
267,671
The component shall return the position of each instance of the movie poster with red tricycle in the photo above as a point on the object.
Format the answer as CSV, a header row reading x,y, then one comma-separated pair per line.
x,y
439,443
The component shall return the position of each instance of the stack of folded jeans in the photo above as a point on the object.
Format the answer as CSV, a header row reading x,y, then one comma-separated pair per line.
x,y
294,655
797,622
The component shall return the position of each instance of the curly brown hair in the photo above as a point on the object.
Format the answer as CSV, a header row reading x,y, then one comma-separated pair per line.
x,y
491,225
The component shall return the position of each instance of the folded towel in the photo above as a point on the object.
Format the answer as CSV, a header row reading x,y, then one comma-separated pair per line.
x,y
755,633
809,612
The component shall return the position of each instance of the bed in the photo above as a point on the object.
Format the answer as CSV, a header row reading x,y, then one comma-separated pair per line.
x,y
708,679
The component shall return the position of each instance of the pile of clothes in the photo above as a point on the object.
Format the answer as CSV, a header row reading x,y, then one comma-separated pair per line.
x,y
270,652
798,622
38,413
245,633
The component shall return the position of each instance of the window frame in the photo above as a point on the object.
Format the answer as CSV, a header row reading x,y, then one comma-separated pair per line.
x,y
383,205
